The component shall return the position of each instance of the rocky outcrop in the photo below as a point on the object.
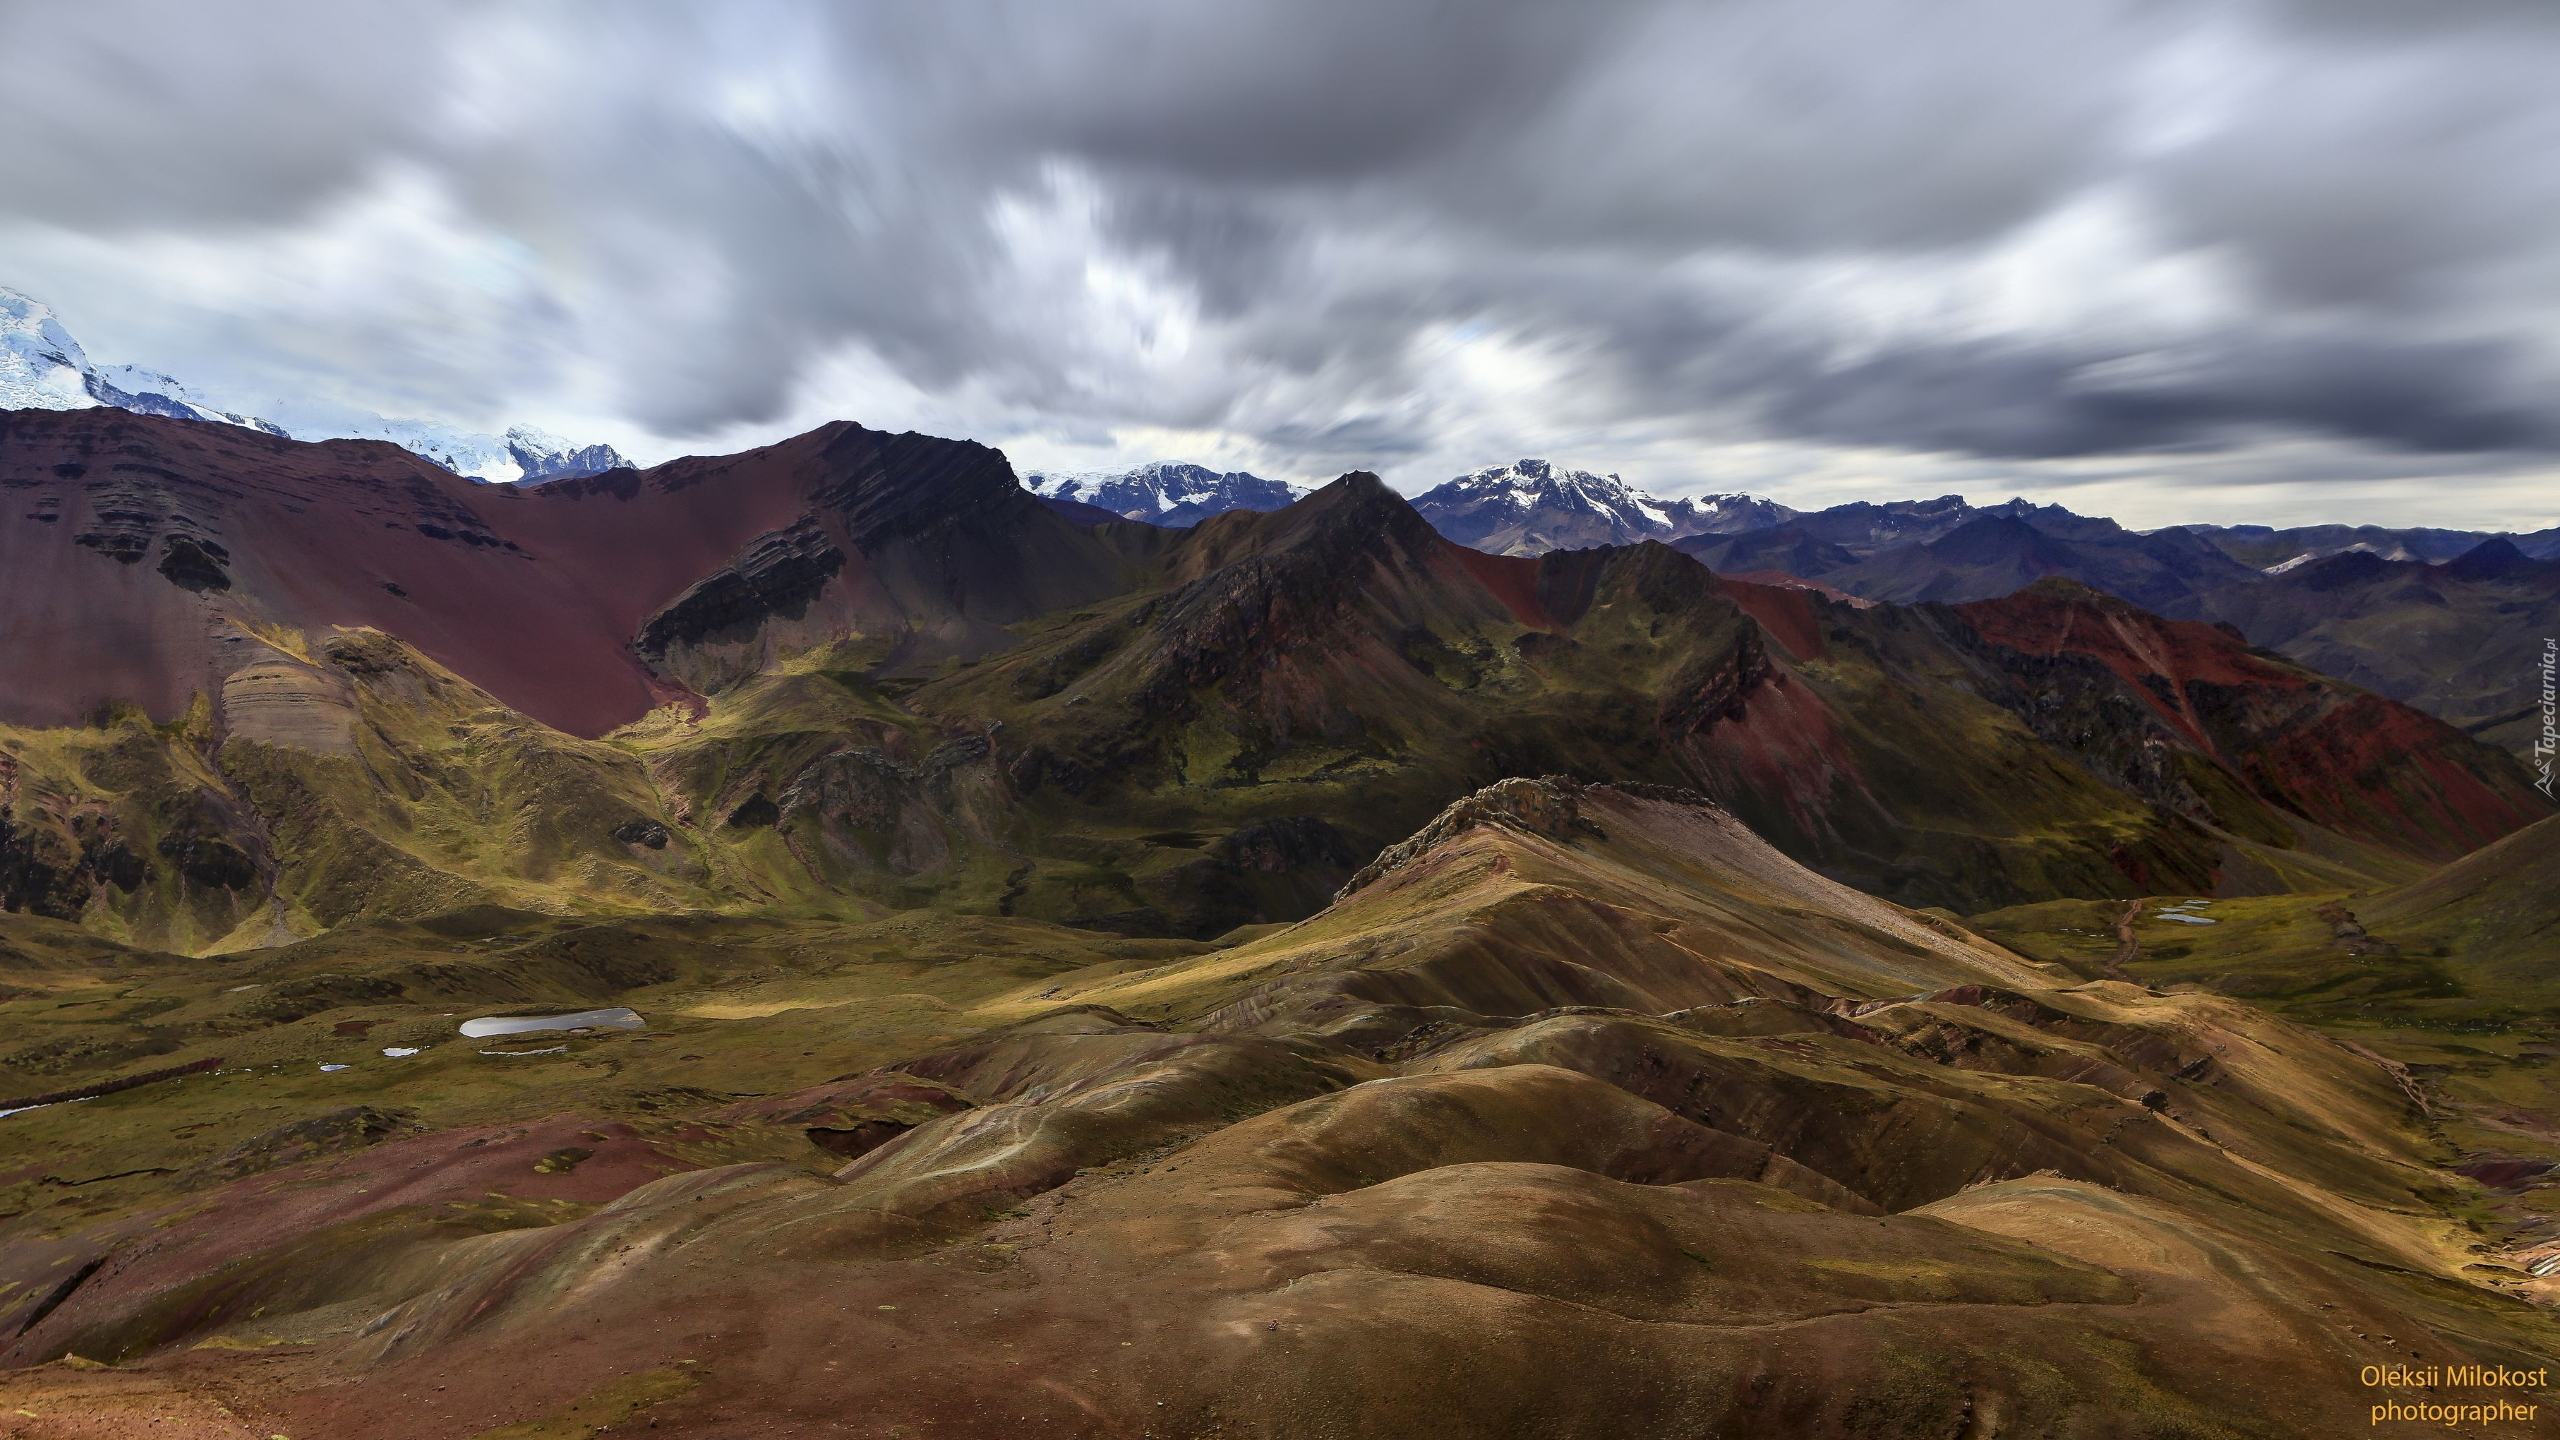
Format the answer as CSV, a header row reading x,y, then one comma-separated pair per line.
x,y
1549,807
284,702
872,811
778,574
56,854
196,564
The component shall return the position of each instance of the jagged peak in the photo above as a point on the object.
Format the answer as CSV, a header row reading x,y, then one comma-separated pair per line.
x,y
1322,551
1545,479
41,366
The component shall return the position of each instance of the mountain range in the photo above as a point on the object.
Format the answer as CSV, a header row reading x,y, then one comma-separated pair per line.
x,y
43,368
2275,551
2454,636
1530,507
1292,689
827,932
1168,493
2447,621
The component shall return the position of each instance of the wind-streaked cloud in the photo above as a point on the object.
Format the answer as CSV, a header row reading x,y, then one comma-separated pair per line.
x,y
2187,258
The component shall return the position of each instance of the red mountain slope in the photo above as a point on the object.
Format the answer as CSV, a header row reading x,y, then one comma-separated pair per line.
x,y
2344,758
134,549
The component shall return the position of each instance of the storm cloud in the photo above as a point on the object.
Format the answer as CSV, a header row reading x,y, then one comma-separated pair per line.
x,y
1318,233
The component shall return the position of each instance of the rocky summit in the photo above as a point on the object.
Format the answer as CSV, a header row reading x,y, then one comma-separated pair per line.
x,y
831,939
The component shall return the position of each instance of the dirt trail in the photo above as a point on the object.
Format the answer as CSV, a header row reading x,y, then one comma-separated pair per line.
x,y
2127,948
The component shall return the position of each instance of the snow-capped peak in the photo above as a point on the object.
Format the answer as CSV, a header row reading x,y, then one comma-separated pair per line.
x,y
2399,553
523,454
1166,492
43,368
1524,484
1531,506
542,455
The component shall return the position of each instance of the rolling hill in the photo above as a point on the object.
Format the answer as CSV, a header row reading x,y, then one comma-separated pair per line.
x,y
1583,1110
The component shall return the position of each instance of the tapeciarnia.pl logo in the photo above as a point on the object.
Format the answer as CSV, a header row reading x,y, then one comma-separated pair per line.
x,y
2546,744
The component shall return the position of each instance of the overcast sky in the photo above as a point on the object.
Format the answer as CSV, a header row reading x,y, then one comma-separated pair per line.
x,y
2276,260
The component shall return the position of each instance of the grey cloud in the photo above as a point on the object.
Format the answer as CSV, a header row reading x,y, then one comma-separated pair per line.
x,y
715,199
1815,127
167,113
1285,91
1234,247
2380,175
2400,19
2004,401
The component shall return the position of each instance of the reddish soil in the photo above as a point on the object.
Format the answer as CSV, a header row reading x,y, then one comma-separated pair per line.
x,y
2353,761
156,1249
1787,745
2373,765
2133,643
538,609
1784,581
1511,579
1785,612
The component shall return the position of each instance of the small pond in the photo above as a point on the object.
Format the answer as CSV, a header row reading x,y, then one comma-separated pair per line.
x,y
489,1025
